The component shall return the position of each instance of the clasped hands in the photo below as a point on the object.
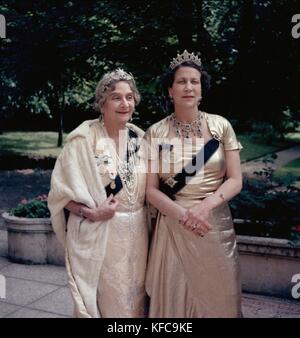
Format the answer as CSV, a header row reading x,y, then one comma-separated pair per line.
x,y
195,219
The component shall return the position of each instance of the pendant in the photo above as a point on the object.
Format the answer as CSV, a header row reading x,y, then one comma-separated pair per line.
x,y
170,181
112,175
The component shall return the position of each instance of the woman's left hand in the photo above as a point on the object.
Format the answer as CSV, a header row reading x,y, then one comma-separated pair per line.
x,y
196,218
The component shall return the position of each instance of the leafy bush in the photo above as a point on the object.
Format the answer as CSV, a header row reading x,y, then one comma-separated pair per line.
x,y
34,208
295,234
271,205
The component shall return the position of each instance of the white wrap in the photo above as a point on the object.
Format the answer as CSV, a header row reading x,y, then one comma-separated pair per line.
x,y
75,177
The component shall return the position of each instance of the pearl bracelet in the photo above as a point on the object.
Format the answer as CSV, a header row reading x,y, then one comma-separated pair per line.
x,y
81,212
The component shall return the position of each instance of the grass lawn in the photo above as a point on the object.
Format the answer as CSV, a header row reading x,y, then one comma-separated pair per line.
x,y
254,148
290,169
41,144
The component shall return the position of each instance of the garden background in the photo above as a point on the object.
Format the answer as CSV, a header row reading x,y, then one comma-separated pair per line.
x,y
55,53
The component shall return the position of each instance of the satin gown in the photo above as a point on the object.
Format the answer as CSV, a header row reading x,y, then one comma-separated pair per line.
x,y
122,290
189,275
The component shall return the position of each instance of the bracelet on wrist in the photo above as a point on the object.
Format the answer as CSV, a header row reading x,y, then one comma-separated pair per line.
x,y
222,197
81,212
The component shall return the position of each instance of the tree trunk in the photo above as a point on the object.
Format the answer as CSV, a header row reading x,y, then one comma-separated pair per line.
x,y
57,112
60,119
60,128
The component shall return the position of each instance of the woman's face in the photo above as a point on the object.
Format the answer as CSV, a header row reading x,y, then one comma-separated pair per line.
x,y
119,105
186,88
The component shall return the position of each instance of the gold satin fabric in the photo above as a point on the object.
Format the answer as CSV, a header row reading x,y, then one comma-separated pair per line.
x,y
121,291
189,275
122,278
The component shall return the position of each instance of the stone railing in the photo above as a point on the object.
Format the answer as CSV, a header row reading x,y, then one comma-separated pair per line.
x,y
268,265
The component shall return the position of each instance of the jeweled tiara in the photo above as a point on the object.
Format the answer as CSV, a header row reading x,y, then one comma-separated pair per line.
x,y
118,75
184,57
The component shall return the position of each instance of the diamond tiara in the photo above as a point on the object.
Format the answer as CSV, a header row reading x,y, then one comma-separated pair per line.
x,y
116,75
184,57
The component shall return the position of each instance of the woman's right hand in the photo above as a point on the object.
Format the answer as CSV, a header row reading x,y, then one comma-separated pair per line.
x,y
103,212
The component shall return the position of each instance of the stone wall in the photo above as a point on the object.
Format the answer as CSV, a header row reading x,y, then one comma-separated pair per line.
x,y
268,265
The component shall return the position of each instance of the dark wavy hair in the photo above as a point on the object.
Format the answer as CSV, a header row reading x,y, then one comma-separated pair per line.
x,y
167,81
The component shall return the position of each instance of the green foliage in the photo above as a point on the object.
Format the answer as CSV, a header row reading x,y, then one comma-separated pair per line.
x,y
295,235
56,52
272,134
34,208
258,202
290,171
290,121
271,205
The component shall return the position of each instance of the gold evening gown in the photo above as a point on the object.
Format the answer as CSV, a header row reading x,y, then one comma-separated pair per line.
x,y
189,275
121,288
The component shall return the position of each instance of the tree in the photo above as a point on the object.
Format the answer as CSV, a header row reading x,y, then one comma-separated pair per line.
x,y
50,49
57,52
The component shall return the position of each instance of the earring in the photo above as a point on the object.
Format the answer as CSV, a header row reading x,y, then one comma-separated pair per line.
x,y
171,99
101,118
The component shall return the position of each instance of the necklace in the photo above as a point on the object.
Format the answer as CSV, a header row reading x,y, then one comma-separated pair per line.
x,y
187,130
128,173
126,168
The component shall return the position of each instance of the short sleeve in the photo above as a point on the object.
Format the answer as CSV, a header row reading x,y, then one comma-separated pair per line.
x,y
229,138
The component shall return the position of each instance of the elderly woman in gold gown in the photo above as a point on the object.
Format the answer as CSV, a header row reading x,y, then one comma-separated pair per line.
x,y
193,264
105,235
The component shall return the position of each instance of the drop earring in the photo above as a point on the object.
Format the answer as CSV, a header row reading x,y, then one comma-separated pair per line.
x,y
101,120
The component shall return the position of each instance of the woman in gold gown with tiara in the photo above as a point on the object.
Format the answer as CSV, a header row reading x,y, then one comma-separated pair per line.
x,y
100,180
192,267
